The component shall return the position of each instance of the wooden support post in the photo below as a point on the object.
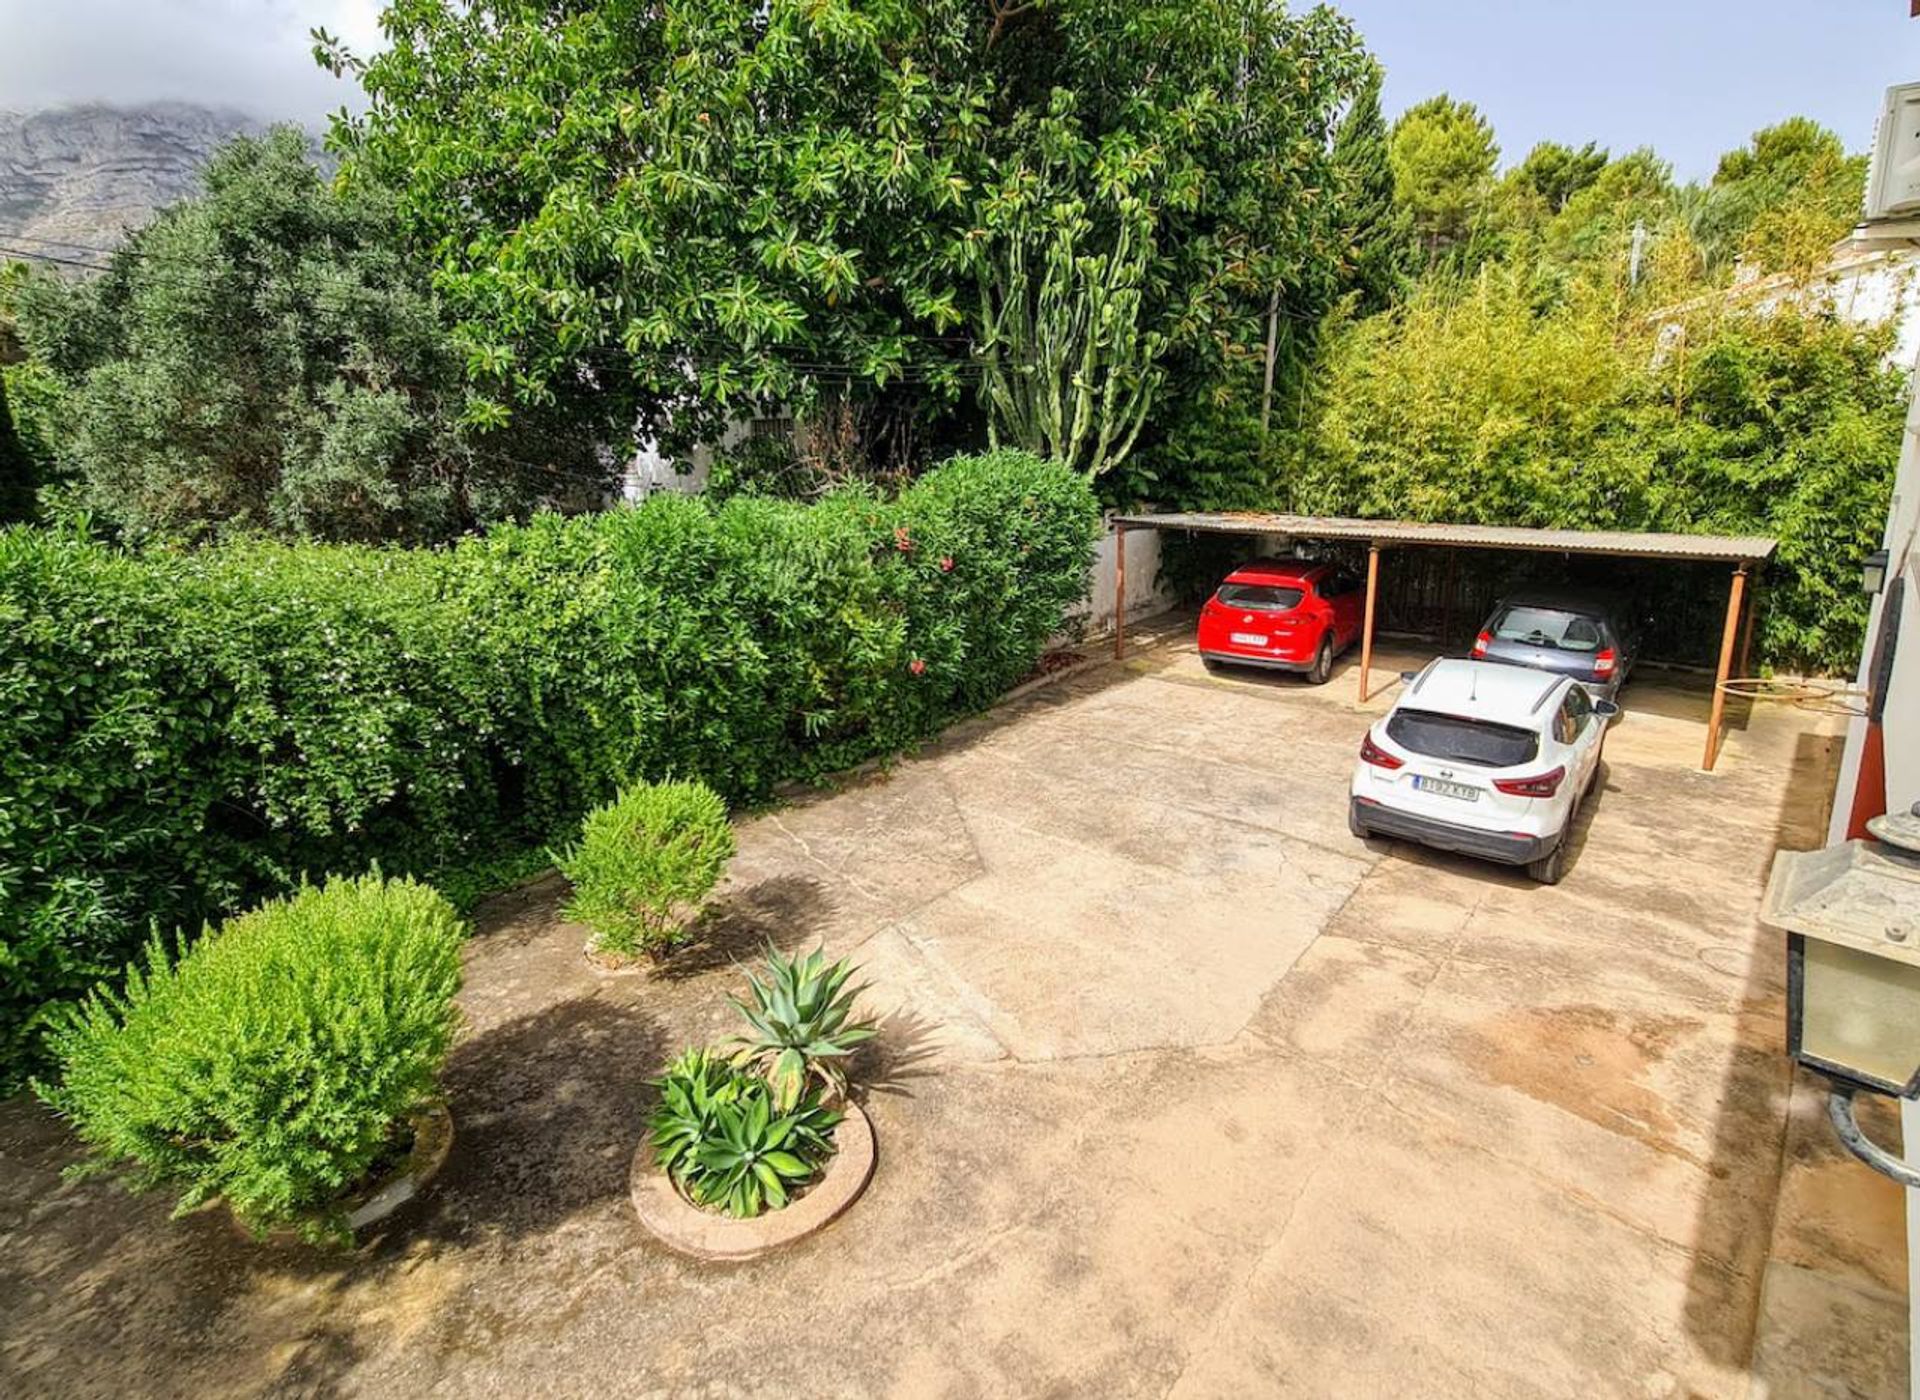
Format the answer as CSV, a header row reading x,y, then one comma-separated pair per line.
x,y
1366,631
1119,592
1745,667
1736,594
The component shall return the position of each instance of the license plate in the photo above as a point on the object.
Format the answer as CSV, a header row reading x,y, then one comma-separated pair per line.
x,y
1248,639
1440,787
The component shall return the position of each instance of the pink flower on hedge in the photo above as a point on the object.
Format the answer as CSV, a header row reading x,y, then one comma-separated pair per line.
x,y
917,666
946,563
902,541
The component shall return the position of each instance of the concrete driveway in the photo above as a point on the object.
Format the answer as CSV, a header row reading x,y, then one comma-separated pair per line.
x,y
1182,1091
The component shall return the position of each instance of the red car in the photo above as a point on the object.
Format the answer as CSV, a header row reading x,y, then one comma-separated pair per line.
x,y
1284,614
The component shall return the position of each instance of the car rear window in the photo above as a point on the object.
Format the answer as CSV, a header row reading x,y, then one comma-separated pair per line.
x,y
1548,627
1262,597
1458,740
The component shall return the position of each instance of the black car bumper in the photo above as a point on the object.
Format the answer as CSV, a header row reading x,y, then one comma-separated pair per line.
x,y
1504,847
1265,663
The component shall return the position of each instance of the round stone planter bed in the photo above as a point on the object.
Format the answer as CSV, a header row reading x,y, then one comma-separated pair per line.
x,y
682,1226
370,1207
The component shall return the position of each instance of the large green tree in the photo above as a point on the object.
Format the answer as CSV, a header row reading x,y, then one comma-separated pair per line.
x,y
1443,155
267,357
712,207
1556,173
706,206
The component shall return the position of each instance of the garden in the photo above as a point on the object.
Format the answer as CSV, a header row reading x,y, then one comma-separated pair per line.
x,y
319,636
292,746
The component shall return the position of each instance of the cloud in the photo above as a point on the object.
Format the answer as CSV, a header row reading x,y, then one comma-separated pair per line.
x,y
250,54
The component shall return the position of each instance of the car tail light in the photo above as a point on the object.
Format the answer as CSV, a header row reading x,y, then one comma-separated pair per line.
x,y
1481,643
1371,752
1542,785
1604,661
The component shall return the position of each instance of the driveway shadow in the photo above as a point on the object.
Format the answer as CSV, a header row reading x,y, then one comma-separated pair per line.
x,y
904,1046
547,1109
785,910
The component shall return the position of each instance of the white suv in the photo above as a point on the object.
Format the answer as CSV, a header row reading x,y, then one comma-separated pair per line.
x,y
1482,758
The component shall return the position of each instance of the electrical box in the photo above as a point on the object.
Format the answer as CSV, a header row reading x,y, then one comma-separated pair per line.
x,y
1893,178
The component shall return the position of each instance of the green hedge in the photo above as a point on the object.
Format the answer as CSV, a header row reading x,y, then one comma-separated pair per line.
x,y
183,732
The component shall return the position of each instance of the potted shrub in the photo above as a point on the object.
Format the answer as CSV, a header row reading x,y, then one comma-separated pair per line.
x,y
743,1154
285,1063
644,864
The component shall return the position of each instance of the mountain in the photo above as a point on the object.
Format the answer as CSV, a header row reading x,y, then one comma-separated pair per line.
x,y
77,178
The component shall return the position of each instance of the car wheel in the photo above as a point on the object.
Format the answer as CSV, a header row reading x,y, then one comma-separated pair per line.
x,y
1355,825
1322,670
1549,868
1211,664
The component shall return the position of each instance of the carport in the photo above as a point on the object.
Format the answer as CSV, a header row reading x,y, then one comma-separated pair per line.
x,y
1746,554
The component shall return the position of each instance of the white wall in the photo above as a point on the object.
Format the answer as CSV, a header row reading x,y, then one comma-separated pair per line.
x,y
649,471
1864,288
1145,596
1900,729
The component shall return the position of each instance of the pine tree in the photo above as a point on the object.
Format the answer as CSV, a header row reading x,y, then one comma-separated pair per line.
x,y
1377,232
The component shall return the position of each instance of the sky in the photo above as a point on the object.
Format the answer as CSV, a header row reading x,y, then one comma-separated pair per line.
x,y
1691,78
251,54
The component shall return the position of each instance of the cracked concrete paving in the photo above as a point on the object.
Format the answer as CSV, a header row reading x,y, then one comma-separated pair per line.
x,y
1180,1090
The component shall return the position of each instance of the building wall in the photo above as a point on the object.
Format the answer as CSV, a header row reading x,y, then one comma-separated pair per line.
x,y
1880,286
1145,595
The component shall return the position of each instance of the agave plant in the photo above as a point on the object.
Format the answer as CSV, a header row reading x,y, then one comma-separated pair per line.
x,y
692,1092
801,1024
717,1131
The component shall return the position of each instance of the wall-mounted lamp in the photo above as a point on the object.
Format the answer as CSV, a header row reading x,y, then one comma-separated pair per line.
x,y
1852,915
1873,572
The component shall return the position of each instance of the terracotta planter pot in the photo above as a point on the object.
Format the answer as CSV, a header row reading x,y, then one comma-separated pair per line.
x,y
369,1207
682,1226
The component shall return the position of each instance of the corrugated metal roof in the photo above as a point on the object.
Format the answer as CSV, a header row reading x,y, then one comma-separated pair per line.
x,y
1731,549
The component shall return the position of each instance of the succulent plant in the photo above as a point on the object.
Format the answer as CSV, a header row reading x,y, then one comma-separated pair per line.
x,y
718,1133
801,1024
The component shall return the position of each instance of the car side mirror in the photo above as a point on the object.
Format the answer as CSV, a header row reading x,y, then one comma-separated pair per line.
x,y
1606,709
1409,676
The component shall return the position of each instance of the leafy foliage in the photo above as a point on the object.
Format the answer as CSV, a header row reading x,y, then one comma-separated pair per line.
x,y
267,357
750,205
1471,404
645,862
1069,371
800,1023
719,1133
19,481
182,732
274,1061
755,192
1556,173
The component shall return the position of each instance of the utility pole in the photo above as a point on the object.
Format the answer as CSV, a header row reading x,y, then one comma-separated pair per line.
x,y
1636,254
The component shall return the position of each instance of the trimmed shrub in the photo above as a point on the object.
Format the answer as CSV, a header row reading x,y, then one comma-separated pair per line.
x,y
185,732
645,862
275,1061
